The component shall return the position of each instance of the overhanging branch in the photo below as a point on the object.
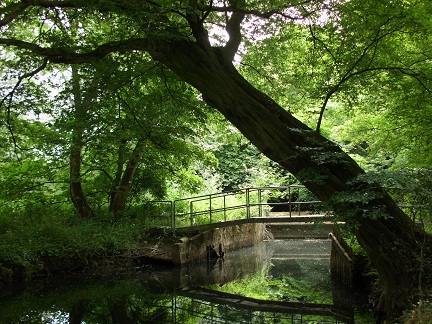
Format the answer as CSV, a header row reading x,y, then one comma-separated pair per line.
x,y
334,89
266,14
14,10
11,12
72,56
9,97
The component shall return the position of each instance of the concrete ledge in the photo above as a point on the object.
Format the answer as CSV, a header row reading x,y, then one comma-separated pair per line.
x,y
228,238
300,230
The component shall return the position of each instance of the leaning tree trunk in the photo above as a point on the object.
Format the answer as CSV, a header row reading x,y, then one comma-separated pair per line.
x,y
388,236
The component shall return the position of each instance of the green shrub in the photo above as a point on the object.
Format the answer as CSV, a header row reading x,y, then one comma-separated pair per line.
x,y
49,239
421,314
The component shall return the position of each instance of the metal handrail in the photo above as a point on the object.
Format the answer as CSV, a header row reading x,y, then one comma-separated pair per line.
x,y
217,203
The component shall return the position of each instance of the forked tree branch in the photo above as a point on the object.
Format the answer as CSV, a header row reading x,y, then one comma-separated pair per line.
x,y
233,28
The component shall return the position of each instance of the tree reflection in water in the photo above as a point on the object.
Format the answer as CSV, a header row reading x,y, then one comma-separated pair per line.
x,y
163,295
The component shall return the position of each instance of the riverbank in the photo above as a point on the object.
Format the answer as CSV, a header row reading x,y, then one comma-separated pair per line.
x,y
43,247
38,245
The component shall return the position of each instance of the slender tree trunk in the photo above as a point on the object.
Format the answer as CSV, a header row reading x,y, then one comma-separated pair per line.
x,y
384,231
121,193
79,309
119,172
76,191
119,314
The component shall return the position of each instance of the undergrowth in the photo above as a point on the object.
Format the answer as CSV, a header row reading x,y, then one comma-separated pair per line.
x,y
43,241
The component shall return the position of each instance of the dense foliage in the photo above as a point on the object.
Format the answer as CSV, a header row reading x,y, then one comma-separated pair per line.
x,y
104,105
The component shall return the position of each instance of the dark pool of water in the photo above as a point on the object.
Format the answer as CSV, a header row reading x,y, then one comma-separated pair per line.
x,y
234,290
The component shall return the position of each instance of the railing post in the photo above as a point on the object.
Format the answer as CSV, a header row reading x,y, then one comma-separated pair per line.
x,y
247,204
210,205
298,198
259,203
289,200
224,208
191,212
173,206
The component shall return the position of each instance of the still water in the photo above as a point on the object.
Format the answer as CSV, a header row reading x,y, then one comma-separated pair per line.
x,y
281,281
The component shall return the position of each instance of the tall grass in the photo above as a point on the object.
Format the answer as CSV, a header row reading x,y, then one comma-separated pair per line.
x,y
46,239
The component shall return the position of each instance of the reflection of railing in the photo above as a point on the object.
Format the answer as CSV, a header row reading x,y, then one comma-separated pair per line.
x,y
235,204
194,308
218,307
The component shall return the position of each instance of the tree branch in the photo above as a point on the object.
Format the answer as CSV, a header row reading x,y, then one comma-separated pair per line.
x,y
266,14
334,89
9,13
349,72
233,28
9,98
71,56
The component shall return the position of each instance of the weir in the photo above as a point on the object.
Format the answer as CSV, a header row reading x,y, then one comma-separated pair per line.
x,y
222,222
214,224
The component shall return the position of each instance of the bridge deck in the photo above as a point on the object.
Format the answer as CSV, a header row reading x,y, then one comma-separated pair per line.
x,y
266,220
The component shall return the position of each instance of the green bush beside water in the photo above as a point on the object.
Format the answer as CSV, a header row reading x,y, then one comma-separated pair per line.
x,y
42,242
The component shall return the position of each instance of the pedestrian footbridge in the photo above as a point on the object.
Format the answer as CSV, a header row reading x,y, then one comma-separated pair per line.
x,y
274,204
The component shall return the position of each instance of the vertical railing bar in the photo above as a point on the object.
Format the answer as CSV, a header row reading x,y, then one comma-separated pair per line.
x,y
210,205
191,212
173,214
289,200
224,200
259,203
298,196
247,204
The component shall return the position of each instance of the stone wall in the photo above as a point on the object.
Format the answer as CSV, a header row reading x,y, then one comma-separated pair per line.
x,y
225,239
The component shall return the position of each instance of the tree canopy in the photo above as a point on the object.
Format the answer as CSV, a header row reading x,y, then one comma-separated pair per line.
x,y
104,87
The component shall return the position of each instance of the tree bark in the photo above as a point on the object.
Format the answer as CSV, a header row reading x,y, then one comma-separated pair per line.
x,y
78,198
121,192
383,230
78,311
119,172
119,314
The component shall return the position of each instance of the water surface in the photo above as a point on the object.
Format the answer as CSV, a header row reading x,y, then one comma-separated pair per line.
x,y
295,273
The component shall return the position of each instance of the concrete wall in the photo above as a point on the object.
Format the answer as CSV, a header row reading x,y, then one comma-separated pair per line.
x,y
230,238
300,230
